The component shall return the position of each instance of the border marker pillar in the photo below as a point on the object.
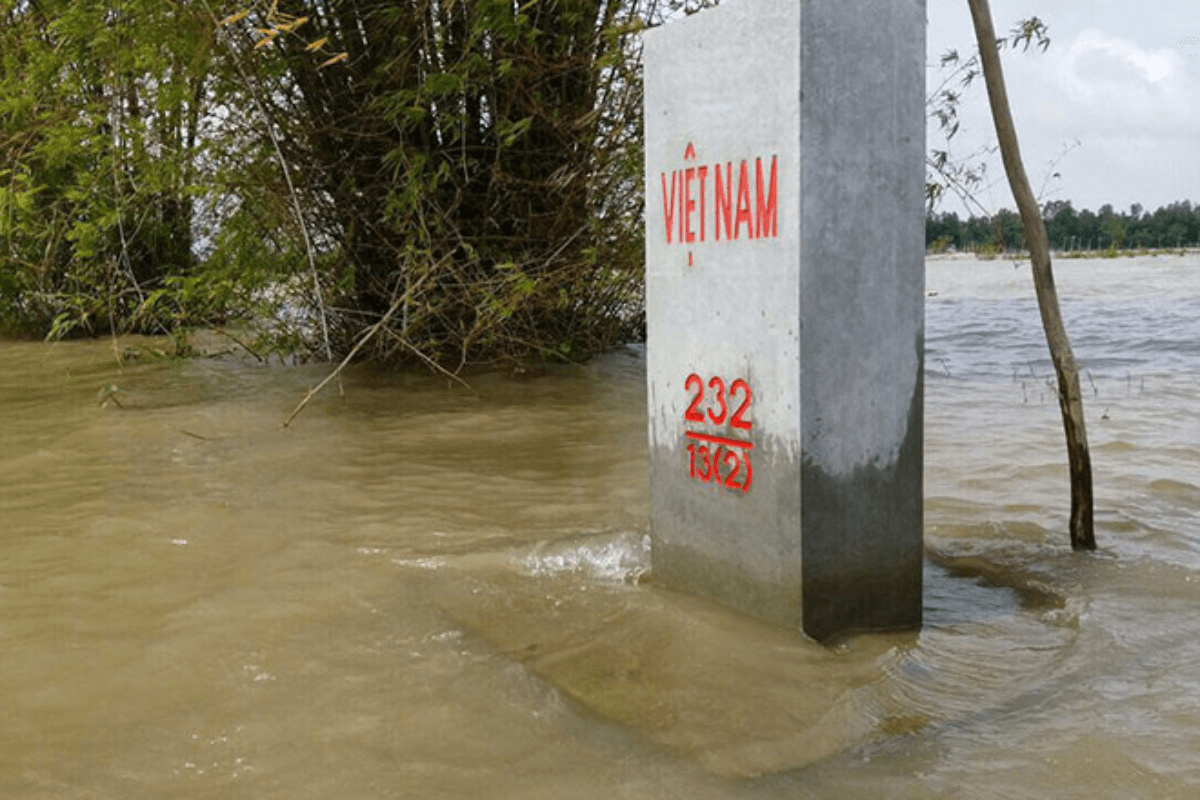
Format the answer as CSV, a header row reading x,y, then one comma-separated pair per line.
x,y
785,309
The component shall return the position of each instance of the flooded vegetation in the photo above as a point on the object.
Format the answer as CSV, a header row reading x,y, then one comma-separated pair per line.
x,y
419,590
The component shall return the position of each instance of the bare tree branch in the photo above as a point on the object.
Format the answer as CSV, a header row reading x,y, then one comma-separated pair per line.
x,y
1069,397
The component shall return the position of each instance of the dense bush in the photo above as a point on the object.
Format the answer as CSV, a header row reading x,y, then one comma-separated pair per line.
x,y
469,171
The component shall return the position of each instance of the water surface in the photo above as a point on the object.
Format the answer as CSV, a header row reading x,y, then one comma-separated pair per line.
x,y
423,591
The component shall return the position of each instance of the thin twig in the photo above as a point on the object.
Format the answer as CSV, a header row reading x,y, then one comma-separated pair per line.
x,y
358,346
240,343
124,256
434,365
287,176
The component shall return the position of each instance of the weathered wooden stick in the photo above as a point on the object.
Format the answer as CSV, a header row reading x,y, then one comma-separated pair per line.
x,y
1070,400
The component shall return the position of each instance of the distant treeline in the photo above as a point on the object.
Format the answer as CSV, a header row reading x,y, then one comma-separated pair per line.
x,y
1176,225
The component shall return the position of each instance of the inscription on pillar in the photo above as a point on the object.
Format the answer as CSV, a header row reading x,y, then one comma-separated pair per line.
x,y
717,430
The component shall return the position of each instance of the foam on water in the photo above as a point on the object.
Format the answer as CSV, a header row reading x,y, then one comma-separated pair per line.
x,y
620,557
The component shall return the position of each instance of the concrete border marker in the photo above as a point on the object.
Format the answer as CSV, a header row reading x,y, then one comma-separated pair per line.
x,y
785,309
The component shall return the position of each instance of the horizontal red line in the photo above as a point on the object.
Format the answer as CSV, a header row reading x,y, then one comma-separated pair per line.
x,y
707,437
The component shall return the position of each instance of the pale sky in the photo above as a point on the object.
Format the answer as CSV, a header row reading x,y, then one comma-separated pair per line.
x,y
1121,79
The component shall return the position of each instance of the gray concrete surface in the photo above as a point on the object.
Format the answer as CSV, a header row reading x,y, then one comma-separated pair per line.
x,y
785,278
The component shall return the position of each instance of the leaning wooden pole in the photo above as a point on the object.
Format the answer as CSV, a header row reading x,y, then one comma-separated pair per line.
x,y
1069,398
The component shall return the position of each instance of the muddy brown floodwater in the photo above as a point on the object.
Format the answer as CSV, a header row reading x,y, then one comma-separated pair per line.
x,y
420,591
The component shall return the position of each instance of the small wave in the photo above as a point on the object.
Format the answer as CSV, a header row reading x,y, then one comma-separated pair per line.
x,y
621,556
614,557
1116,447
1176,490
435,562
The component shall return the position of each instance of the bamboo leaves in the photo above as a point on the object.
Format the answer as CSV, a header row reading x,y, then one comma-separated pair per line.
x,y
476,162
102,115
276,24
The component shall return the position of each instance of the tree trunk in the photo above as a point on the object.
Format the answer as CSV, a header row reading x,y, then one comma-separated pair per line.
x,y
1069,398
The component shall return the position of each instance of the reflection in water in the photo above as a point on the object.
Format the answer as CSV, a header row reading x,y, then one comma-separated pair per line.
x,y
422,591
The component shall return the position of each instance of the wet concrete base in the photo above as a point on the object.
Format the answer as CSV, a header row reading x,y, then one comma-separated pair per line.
x,y
739,550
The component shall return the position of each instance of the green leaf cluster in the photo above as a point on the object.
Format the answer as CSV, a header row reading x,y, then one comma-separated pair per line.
x,y
100,108
473,166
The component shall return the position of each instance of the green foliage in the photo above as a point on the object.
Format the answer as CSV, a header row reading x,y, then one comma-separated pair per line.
x,y
473,167
1105,233
939,245
965,175
98,130
471,160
